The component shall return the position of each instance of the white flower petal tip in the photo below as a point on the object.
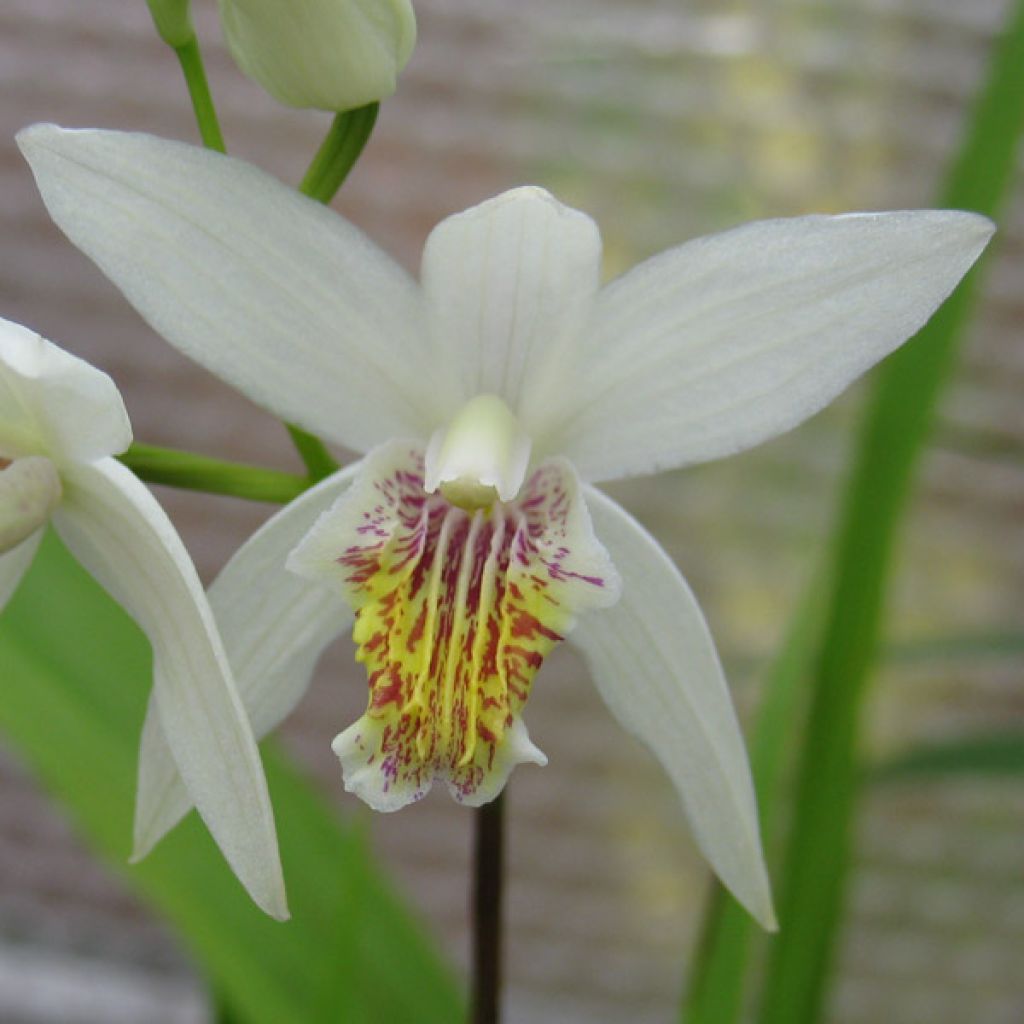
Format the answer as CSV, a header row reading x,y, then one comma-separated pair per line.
x,y
655,665
455,611
118,531
274,626
29,492
358,746
325,54
305,315
729,340
54,404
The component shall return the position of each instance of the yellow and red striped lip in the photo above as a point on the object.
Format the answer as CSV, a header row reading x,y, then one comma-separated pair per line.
x,y
456,610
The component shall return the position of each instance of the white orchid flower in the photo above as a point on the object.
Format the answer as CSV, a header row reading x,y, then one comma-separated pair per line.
x,y
61,420
489,398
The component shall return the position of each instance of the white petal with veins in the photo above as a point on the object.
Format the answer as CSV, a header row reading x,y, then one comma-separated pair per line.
x,y
274,625
117,530
655,665
508,284
271,291
726,341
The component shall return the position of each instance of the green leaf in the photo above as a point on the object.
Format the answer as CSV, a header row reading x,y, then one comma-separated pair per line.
x,y
999,754
718,985
76,678
979,647
897,424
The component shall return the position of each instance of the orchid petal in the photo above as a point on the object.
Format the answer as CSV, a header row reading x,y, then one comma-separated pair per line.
x,y
54,403
274,293
118,531
274,625
655,665
14,563
726,341
507,284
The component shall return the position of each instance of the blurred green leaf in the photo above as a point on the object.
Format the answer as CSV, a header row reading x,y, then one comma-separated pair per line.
x,y
897,424
76,678
834,635
719,981
993,754
978,647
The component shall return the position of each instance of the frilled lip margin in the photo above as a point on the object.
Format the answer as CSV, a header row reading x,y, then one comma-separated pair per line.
x,y
455,612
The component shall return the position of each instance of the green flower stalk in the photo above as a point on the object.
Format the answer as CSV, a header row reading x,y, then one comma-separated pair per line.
x,y
326,54
173,20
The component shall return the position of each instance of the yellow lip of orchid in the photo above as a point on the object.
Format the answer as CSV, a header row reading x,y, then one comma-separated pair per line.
x,y
456,608
699,352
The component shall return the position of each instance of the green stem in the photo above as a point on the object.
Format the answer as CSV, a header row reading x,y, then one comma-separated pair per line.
x,y
214,476
314,454
191,61
342,146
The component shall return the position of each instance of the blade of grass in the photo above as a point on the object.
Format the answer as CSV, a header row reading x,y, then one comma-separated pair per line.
x,y
998,754
897,424
76,676
723,965
718,986
978,647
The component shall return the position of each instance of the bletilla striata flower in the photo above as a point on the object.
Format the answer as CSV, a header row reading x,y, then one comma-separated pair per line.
x,y
488,398
327,54
61,420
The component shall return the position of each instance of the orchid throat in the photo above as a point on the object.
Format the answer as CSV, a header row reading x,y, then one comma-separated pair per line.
x,y
464,573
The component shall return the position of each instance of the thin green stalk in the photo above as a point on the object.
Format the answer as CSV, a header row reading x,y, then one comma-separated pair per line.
x,y
897,424
316,458
191,61
214,476
341,148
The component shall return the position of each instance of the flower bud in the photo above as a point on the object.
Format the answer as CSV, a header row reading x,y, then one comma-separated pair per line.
x,y
29,492
173,20
328,54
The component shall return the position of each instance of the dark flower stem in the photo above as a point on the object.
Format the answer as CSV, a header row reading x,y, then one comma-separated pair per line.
x,y
489,857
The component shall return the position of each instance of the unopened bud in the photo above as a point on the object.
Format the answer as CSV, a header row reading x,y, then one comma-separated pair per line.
x,y
329,54
173,19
